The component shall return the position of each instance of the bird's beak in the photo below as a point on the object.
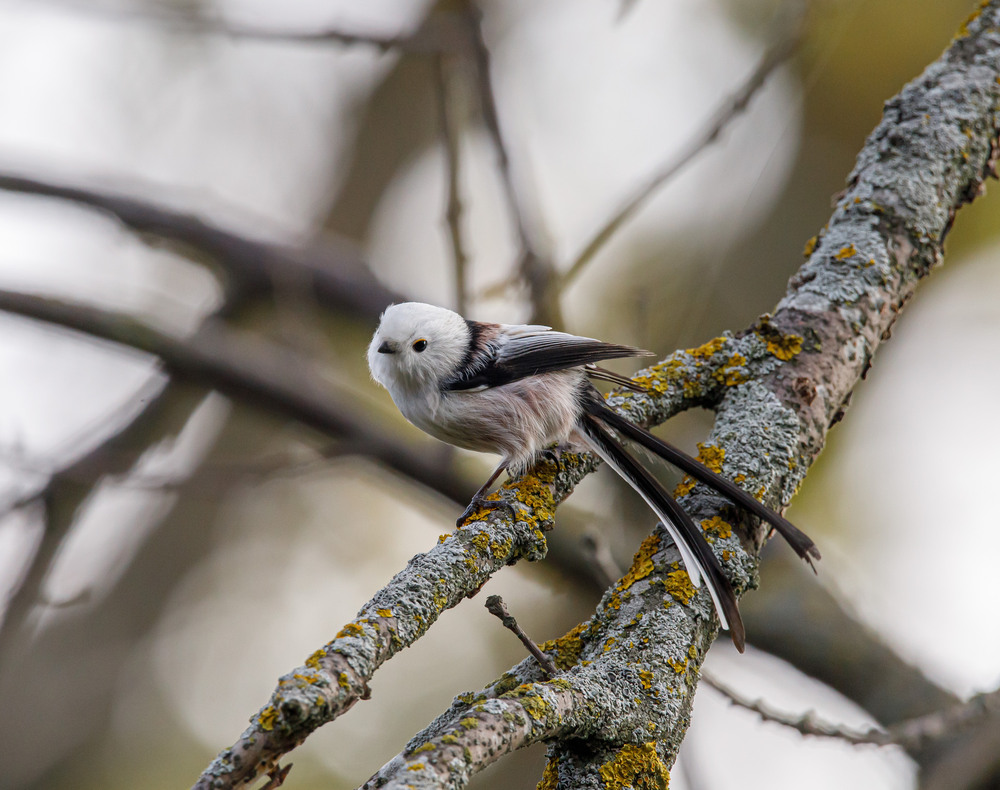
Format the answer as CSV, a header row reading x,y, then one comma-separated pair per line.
x,y
386,348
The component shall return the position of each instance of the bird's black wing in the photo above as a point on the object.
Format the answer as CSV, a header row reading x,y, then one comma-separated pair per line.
x,y
500,354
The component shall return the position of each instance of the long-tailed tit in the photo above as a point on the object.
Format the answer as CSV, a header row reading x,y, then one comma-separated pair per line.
x,y
516,390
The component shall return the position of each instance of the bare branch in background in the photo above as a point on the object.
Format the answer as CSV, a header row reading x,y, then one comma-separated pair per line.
x,y
735,105
912,734
334,269
250,370
445,74
598,553
536,269
441,37
163,412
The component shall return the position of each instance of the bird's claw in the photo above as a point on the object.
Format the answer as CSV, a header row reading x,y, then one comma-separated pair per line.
x,y
482,503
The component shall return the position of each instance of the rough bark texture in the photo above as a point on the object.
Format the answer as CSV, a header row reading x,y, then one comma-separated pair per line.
x,y
619,708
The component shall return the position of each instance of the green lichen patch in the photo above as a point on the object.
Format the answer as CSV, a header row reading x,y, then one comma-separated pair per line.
x,y
636,766
529,698
505,683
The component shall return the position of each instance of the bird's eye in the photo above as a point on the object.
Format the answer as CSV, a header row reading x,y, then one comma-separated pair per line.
x,y
419,345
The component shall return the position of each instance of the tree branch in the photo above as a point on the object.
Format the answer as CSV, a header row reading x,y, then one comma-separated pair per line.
x,y
733,107
537,270
444,72
437,38
249,370
332,268
912,734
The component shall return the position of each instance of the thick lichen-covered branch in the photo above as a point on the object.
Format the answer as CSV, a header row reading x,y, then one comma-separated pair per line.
x,y
335,677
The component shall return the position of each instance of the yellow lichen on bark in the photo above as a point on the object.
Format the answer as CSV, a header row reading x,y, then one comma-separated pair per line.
x,y
637,766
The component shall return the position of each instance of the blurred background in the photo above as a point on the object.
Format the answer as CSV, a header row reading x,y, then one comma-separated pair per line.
x,y
258,178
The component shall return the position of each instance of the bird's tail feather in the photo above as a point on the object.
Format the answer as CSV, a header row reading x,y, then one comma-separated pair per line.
x,y
801,543
698,558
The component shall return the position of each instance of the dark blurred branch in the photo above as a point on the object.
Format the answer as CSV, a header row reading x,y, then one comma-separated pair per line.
x,y
803,624
334,269
439,38
163,413
444,73
537,271
250,370
732,108
913,734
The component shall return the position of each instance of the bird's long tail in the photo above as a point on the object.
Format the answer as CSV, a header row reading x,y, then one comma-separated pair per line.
x,y
801,543
698,558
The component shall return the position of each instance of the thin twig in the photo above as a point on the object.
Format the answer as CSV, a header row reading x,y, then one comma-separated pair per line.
x,y
777,54
453,211
277,777
496,607
909,734
537,271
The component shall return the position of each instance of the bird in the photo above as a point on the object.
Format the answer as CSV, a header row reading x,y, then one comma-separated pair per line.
x,y
517,390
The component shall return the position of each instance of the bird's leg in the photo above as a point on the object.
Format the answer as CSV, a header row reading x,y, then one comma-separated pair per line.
x,y
479,499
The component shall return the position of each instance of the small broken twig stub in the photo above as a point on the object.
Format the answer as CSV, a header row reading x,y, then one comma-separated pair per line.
x,y
496,607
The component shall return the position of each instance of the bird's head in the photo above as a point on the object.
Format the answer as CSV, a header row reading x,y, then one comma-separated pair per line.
x,y
417,345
